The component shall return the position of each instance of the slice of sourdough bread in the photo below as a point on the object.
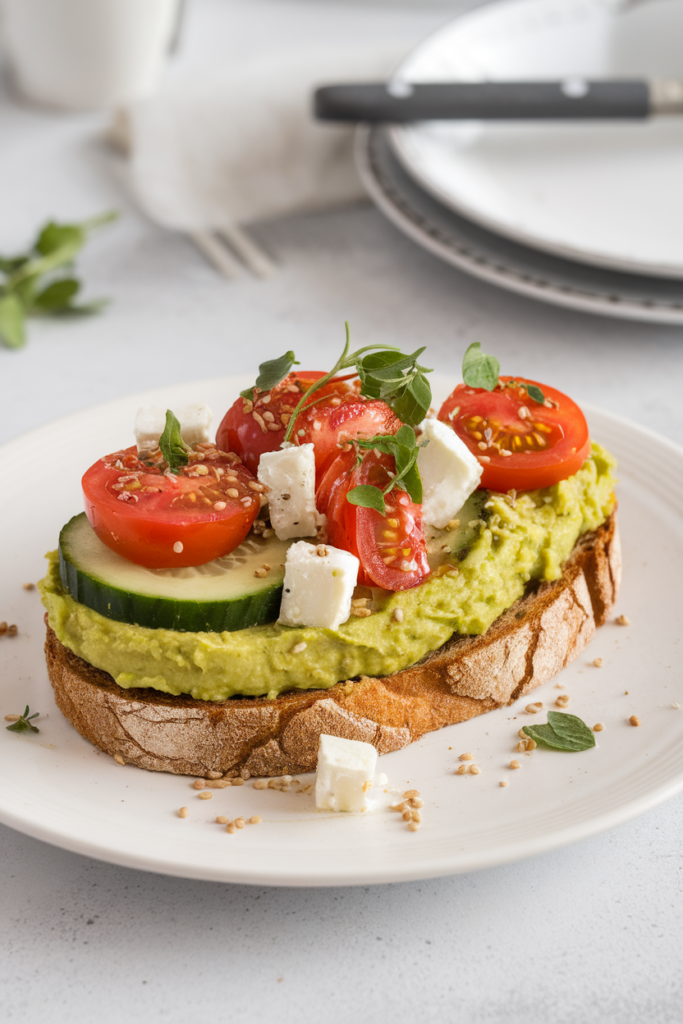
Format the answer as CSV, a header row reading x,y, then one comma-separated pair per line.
x,y
526,646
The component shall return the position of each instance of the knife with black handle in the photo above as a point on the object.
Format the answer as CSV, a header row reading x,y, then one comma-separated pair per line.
x,y
571,99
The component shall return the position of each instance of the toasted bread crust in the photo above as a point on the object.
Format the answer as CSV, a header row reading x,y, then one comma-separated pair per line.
x,y
526,646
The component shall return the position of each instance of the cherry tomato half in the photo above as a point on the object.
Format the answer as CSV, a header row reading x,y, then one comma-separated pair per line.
x,y
252,429
164,521
392,549
520,443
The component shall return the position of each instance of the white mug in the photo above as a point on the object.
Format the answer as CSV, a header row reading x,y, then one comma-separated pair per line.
x,y
87,54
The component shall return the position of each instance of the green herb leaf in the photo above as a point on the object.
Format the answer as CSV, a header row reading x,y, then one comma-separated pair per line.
x,y
399,380
55,237
535,393
172,445
563,732
367,496
271,373
23,723
478,369
58,295
12,321
404,448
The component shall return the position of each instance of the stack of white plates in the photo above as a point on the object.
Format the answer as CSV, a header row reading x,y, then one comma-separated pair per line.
x,y
586,215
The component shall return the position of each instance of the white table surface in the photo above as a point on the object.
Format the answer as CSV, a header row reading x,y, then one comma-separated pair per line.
x,y
589,933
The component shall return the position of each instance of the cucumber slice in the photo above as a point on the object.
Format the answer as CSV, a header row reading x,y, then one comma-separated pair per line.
x,y
221,595
452,545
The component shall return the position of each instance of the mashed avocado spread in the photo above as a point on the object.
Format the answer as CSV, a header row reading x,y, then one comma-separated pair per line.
x,y
516,540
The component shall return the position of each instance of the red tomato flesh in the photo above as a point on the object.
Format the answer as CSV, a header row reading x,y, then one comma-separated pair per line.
x,y
392,549
250,429
520,443
163,521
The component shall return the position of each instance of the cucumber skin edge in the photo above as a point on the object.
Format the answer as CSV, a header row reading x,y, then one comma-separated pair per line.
x,y
162,613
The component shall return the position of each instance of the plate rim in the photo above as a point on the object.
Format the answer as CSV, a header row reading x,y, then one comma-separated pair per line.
x,y
501,275
429,866
401,142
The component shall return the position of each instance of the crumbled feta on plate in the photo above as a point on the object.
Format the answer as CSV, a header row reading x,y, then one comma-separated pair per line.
x,y
318,585
345,772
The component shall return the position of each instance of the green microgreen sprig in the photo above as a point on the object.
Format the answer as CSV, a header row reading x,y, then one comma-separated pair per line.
x,y
173,448
384,373
23,723
404,448
478,369
40,282
563,732
271,373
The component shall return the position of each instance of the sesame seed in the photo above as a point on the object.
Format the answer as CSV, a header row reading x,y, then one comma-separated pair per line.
x,y
199,783
562,700
29,586
178,547
597,662
321,551
397,615
12,630
475,769
261,573
255,819
12,718
231,828
416,802
532,709
299,648
222,820
634,720
598,727
261,784
461,770
521,746
503,783
119,759
409,793
407,815
484,458
205,795
232,492
530,745
397,807
360,612
268,417
255,486
623,620
239,822
183,812
238,782
521,734
220,505
466,757
413,826
515,764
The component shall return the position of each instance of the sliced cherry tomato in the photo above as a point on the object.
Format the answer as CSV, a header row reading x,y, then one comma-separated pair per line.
x,y
520,443
164,521
336,414
392,549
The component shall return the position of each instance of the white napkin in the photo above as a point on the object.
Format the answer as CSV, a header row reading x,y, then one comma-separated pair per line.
x,y
242,145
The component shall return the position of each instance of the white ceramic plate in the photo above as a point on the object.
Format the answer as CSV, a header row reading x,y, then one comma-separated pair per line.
x,y
608,194
500,261
57,788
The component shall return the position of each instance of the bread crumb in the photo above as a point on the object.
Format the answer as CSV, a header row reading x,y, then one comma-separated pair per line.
x,y
515,764
119,759
205,795
597,662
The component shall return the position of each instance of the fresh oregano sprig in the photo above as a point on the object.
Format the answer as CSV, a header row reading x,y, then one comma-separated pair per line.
x,y
478,369
563,732
41,282
23,723
399,380
271,373
173,448
405,449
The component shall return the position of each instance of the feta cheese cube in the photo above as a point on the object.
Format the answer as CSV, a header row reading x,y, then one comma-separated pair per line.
x,y
195,421
289,478
449,471
345,772
150,421
318,585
